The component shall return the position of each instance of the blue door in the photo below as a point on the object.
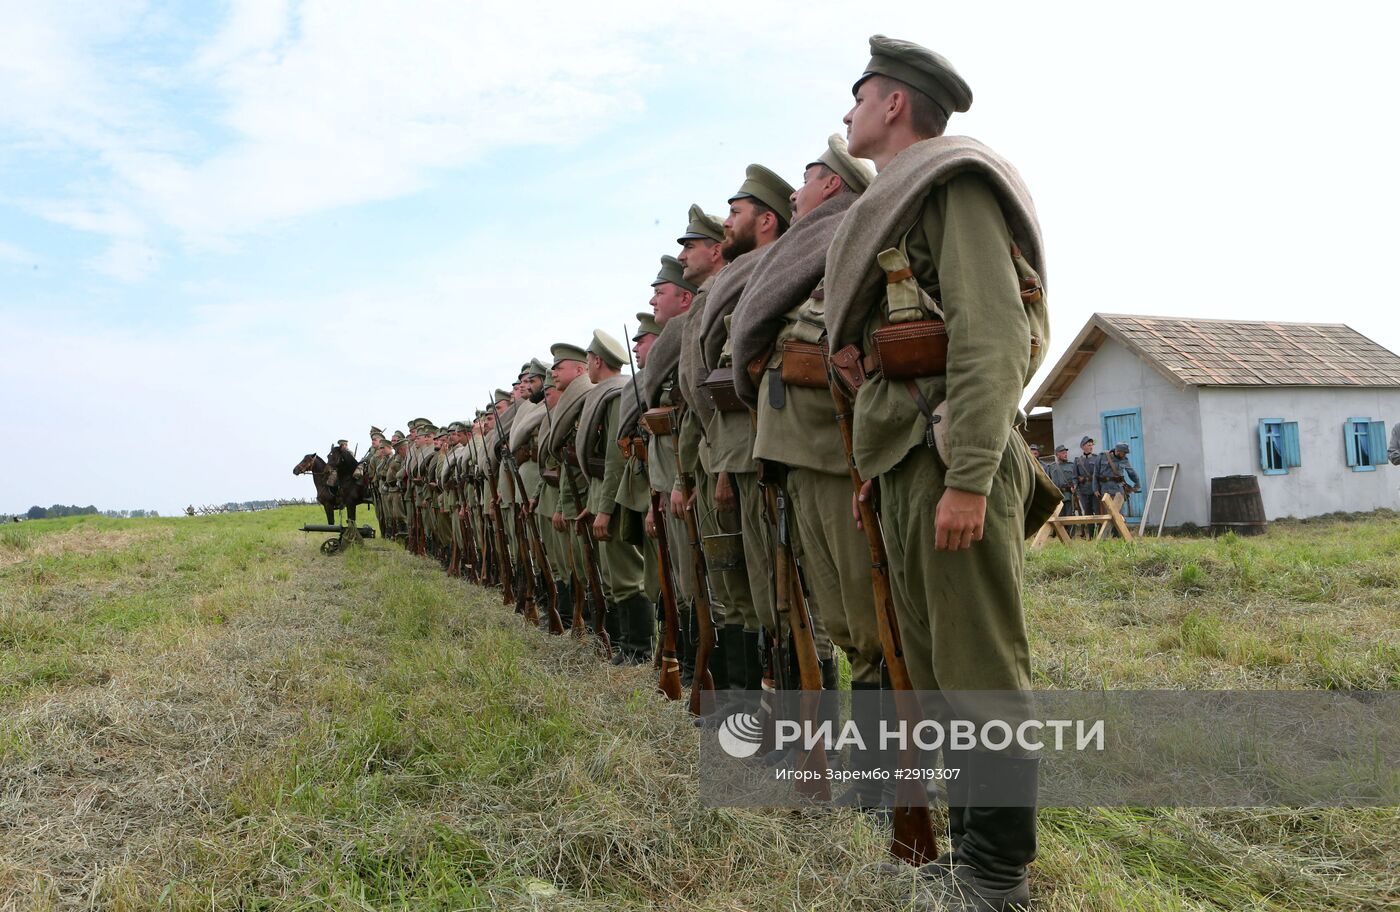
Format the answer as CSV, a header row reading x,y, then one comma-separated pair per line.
x,y
1125,426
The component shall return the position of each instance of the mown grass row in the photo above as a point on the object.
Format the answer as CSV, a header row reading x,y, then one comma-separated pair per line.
x,y
393,739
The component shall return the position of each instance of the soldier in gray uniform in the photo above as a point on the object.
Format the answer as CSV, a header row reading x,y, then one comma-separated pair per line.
x,y
1065,476
1086,470
1392,452
1113,470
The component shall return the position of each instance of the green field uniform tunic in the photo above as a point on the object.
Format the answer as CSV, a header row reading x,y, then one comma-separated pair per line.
x,y
960,612
621,560
803,436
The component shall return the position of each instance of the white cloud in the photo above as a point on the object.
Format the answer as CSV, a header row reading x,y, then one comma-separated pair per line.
x,y
11,253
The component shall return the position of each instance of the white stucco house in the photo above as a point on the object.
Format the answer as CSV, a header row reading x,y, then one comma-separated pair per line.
x,y
1306,407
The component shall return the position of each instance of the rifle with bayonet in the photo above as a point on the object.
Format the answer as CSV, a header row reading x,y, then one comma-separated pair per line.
x,y
577,584
914,839
704,612
504,569
530,530
590,553
791,603
669,681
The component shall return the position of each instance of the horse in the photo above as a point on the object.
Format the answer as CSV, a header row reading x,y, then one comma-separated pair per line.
x,y
342,467
326,495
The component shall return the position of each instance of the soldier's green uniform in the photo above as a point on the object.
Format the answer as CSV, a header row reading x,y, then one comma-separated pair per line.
x,y
967,231
562,425
731,438
796,428
631,622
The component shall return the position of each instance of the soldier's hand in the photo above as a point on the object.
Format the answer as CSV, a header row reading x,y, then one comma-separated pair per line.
x,y
958,520
650,525
557,521
724,492
678,504
867,493
600,526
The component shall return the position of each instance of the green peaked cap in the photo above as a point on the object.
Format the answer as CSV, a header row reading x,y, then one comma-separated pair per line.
x,y
536,368
769,189
673,272
646,326
609,349
565,351
855,173
702,226
919,68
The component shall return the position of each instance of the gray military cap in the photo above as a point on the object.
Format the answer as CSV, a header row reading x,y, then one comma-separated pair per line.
x,y
768,188
672,271
919,68
1085,439
855,173
609,349
1121,446
1062,449
646,326
502,395
702,226
564,351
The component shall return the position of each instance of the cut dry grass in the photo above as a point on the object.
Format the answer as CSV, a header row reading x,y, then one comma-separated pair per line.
x,y
208,713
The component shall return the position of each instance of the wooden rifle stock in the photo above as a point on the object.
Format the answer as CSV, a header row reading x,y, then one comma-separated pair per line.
x,y
792,604
590,562
914,839
669,682
530,522
704,612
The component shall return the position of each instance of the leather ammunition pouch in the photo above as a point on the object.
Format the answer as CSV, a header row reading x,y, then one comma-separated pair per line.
x,y
570,455
661,421
550,476
597,466
633,446
849,368
906,351
720,386
804,364
524,454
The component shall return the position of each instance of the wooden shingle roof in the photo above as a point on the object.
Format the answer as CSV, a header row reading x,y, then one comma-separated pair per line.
x,y
1198,352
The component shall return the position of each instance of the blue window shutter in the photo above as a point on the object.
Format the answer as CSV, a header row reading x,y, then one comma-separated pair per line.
x,y
1378,443
1292,453
1349,432
1264,444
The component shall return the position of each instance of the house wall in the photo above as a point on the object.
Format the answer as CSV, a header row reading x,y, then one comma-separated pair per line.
x,y
1115,378
1323,483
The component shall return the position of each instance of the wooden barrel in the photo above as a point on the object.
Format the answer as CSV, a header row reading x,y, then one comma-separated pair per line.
x,y
1236,506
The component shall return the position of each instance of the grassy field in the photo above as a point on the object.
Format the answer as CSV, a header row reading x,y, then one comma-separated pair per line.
x,y
207,713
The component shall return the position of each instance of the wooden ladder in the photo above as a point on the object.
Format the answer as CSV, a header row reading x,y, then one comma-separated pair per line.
x,y
1154,489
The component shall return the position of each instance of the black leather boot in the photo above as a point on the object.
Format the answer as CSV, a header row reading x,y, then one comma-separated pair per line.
x,y
734,644
640,629
997,843
719,660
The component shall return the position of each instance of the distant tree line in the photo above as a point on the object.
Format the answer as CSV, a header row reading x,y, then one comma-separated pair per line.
x,y
58,510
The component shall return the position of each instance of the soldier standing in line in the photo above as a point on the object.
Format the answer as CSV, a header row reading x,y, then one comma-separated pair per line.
x,y
779,326
390,491
945,242
674,292
570,374
634,491
631,621
759,213
372,463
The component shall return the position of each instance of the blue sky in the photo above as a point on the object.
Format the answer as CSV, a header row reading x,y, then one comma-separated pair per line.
x,y
230,233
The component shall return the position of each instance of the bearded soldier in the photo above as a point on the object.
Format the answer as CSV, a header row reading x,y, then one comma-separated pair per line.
x,y
945,248
759,214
